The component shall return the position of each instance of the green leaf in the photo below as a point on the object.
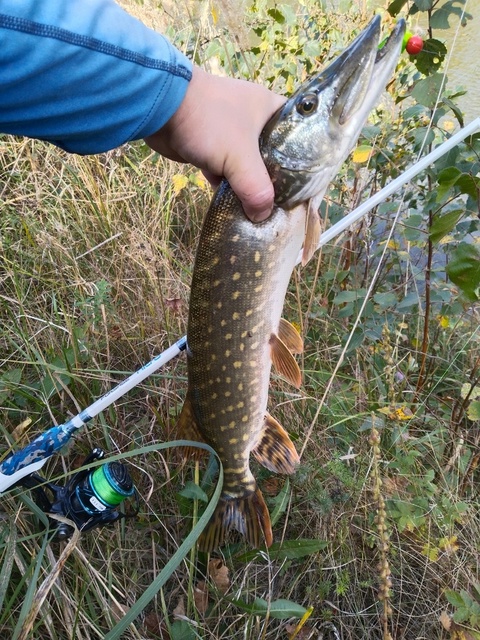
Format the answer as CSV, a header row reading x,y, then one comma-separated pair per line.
x,y
193,492
349,296
464,182
470,185
427,91
409,301
9,379
413,229
283,609
456,110
281,502
461,615
286,550
277,15
442,225
280,609
473,412
464,269
296,549
182,630
396,6
385,300
440,17
431,57
447,178
312,49
424,5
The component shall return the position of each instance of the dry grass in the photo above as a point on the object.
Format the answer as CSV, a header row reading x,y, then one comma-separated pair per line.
x,y
96,257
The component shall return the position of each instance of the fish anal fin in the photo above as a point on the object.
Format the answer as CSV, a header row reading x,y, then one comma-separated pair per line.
x,y
275,450
313,229
187,429
283,361
248,515
290,336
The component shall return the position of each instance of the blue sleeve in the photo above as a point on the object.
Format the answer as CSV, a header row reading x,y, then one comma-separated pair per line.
x,y
84,74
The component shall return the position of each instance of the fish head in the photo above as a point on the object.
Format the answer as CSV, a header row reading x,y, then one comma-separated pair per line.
x,y
306,140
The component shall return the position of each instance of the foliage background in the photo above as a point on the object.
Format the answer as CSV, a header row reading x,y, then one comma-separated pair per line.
x,y
377,533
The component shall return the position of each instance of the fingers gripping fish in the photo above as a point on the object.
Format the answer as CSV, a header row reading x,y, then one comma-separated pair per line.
x,y
241,274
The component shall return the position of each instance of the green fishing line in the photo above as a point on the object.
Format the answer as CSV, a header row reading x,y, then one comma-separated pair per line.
x,y
107,487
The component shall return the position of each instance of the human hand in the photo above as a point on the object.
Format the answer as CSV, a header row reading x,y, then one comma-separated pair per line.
x,y
216,128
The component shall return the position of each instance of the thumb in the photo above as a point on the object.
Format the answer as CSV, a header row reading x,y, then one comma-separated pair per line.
x,y
250,180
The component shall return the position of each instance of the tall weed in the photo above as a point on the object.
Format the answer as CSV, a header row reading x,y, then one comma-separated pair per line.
x,y
376,533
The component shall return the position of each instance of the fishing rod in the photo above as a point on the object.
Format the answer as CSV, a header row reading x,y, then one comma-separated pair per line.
x,y
108,485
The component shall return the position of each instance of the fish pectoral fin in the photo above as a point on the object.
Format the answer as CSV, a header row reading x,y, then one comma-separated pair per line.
x,y
290,336
248,515
188,429
313,229
283,361
275,450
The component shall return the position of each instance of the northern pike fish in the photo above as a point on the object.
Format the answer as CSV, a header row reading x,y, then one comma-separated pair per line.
x,y
241,274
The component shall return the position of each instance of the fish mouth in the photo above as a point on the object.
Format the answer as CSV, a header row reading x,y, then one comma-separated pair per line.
x,y
308,138
352,81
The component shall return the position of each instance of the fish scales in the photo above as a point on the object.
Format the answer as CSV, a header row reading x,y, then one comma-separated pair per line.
x,y
238,290
241,274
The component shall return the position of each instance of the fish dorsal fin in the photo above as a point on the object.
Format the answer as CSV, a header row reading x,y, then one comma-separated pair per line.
x,y
187,428
275,450
313,229
290,336
284,362
247,514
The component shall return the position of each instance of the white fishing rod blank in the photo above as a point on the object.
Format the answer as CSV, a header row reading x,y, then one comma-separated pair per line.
x,y
32,457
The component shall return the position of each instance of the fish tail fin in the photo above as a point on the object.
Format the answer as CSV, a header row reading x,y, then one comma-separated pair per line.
x,y
248,515
188,430
274,449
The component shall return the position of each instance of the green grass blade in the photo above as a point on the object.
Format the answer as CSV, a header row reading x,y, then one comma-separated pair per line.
x,y
30,594
8,560
174,561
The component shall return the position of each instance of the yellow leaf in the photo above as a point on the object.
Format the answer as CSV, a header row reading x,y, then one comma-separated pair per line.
x,y
387,411
430,552
446,239
289,85
214,12
198,179
450,545
295,633
467,390
443,321
20,429
403,413
362,153
265,46
393,244
397,412
179,182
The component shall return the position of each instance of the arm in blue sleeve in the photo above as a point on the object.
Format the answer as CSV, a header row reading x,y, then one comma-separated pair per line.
x,y
84,74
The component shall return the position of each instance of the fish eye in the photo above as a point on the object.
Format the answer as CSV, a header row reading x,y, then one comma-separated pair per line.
x,y
308,104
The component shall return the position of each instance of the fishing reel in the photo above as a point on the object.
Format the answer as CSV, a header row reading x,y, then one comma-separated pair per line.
x,y
90,498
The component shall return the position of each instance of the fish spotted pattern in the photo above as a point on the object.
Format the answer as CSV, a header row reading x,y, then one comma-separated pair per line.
x,y
241,274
